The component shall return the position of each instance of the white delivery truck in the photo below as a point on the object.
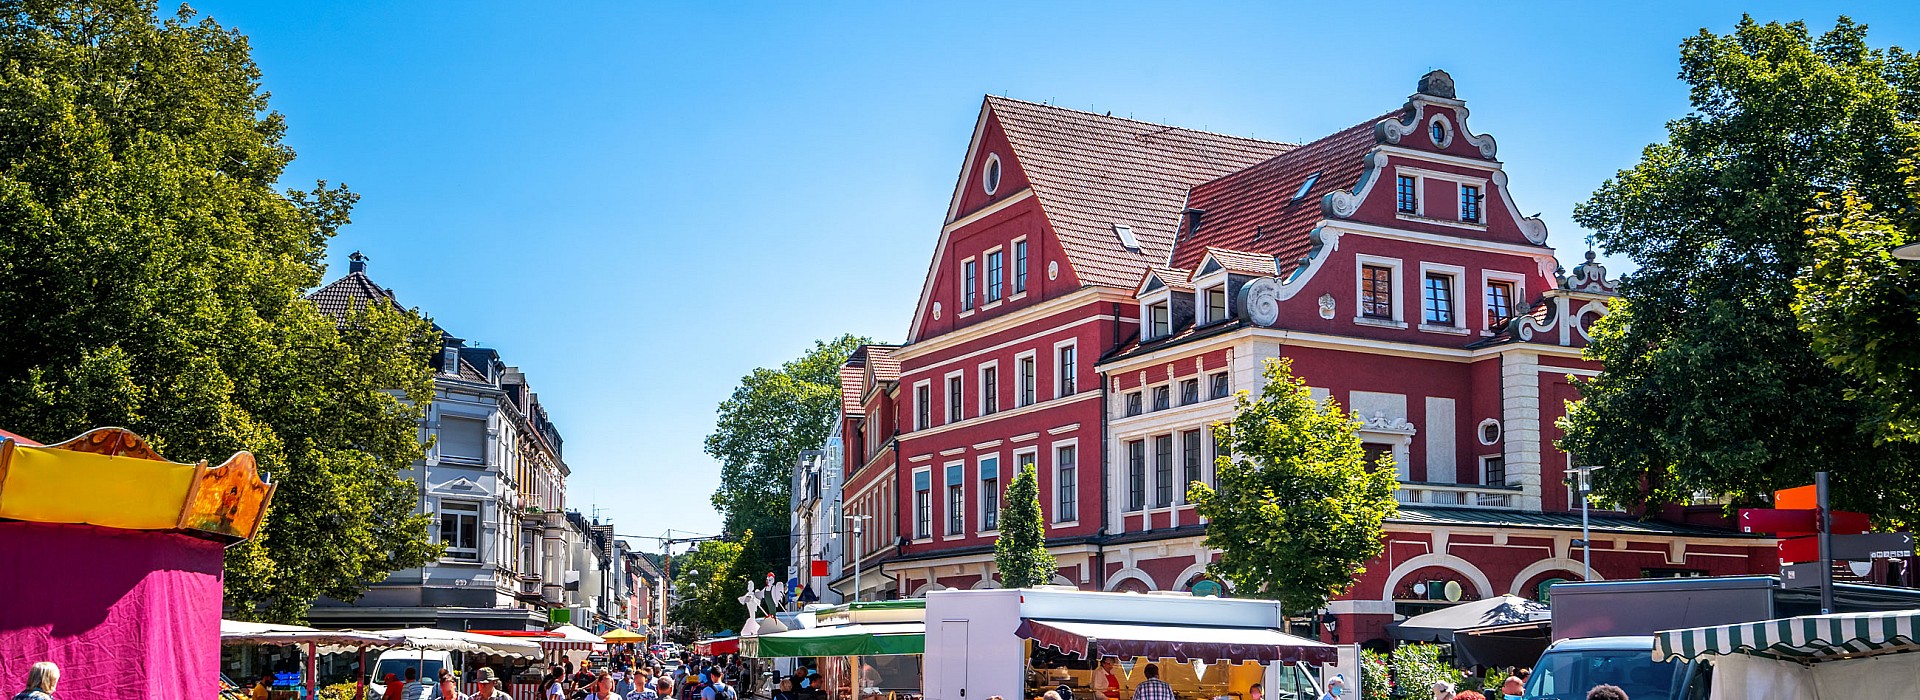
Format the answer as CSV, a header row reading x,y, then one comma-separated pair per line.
x,y
1020,643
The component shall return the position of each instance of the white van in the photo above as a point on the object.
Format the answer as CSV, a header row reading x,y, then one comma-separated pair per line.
x,y
397,661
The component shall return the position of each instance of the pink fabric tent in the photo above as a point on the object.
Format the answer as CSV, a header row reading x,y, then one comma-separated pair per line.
x,y
127,614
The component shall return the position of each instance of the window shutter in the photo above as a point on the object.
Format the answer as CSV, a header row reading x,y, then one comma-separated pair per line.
x,y
954,475
989,469
463,438
920,481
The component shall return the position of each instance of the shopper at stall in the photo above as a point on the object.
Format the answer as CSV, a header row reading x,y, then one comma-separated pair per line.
x,y
262,689
1442,690
486,686
449,687
1513,687
41,679
1336,687
1153,688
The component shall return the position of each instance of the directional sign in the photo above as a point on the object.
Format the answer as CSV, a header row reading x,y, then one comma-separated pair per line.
x,y
1876,545
1796,522
1805,575
1796,498
1799,549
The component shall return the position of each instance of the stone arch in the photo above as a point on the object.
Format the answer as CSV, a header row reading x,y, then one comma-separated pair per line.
x,y
1579,320
926,588
1130,573
1444,561
1543,566
1059,580
985,583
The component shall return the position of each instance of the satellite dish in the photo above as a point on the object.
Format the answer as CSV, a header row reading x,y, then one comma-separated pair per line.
x,y
1860,568
1452,591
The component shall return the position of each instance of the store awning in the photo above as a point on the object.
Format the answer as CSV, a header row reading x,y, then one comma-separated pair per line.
x,y
1440,625
871,639
1094,639
1805,639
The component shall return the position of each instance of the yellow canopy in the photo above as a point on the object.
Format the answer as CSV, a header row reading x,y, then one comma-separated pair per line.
x,y
113,478
620,636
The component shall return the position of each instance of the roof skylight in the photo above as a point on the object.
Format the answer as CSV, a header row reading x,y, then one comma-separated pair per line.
x,y
1125,233
1304,186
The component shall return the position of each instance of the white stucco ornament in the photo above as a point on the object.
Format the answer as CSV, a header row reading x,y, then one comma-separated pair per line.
x,y
1053,269
1326,306
1260,301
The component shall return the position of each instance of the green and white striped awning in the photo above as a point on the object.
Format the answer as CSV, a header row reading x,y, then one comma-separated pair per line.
x,y
1806,639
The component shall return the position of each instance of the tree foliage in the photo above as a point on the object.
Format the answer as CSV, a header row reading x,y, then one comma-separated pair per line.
x,y
1711,383
709,582
151,277
772,417
1021,550
1297,510
1862,308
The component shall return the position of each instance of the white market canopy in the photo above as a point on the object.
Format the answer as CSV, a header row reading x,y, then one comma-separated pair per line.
x,y
338,641
450,640
1806,639
1178,642
573,638
1440,625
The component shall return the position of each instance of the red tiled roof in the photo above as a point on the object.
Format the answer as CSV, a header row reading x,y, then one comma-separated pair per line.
x,y
1092,171
885,368
349,293
1254,210
1238,262
853,383
1174,279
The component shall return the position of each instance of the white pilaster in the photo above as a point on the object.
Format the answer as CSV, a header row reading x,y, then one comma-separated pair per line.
x,y
1520,421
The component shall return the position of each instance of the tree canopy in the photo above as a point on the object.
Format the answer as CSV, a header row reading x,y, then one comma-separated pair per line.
x,y
1295,509
1020,553
151,277
772,417
1711,383
709,582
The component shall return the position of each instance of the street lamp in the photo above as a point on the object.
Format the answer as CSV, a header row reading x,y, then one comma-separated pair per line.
x,y
858,523
1583,481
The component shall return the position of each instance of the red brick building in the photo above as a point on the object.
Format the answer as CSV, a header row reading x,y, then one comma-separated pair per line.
x,y
1102,287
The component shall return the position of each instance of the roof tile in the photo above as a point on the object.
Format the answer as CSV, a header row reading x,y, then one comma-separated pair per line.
x,y
1092,171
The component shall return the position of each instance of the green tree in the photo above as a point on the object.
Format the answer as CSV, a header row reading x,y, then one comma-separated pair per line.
x,y
1021,551
1298,510
709,582
1862,307
772,417
151,277
1711,384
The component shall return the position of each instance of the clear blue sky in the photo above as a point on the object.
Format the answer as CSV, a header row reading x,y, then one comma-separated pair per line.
x,y
639,202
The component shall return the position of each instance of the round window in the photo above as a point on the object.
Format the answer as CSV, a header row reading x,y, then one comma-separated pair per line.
x,y
1440,131
990,175
1489,431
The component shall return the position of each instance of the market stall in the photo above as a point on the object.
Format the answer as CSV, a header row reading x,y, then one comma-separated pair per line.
x,y
863,650
137,542
1486,632
715,646
1024,642
1852,655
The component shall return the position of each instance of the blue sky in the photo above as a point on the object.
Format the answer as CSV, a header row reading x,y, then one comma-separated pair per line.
x,y
639,202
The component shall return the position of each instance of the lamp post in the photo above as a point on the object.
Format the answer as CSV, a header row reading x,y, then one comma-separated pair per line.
x,y
1583,483
859,522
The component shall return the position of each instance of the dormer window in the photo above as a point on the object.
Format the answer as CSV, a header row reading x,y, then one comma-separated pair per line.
x,y
1216,303
1159,320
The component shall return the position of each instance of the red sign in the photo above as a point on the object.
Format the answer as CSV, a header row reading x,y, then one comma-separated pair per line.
x,y
819,567
1799,549
1794,523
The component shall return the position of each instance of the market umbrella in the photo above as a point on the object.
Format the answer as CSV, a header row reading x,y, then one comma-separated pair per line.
x,y
1439,625
621,636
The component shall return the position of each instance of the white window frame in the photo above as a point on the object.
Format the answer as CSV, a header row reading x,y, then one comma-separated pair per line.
x,y
1057,347
947,507
1360,263
1153,391
456,554
922,422
961,375
919,536
1206,305
1456,277
486,439
1487,278
1022,378
1420,177
1460,204
980,387
984,294
1078,505
1013,275
1503,472
1000,484
969,303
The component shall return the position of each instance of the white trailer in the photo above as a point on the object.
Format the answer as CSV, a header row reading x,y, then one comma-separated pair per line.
x,y
979,644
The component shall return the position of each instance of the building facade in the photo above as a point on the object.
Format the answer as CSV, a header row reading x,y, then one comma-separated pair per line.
x,y
493,483
1103,288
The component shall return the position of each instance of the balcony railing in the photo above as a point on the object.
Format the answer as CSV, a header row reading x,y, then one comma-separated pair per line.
x,y
1461,495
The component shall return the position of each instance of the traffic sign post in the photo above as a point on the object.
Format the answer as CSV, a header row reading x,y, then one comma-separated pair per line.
x,y
1802,575
1799,550
1795,522
1826,542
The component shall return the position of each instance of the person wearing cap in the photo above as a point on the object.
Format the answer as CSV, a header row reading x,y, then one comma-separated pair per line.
x,y
486,686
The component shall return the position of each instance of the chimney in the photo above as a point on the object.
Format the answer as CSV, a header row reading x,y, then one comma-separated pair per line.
x,y
356,263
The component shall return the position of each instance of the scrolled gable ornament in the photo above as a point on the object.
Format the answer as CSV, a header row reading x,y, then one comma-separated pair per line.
x,y
1260,302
